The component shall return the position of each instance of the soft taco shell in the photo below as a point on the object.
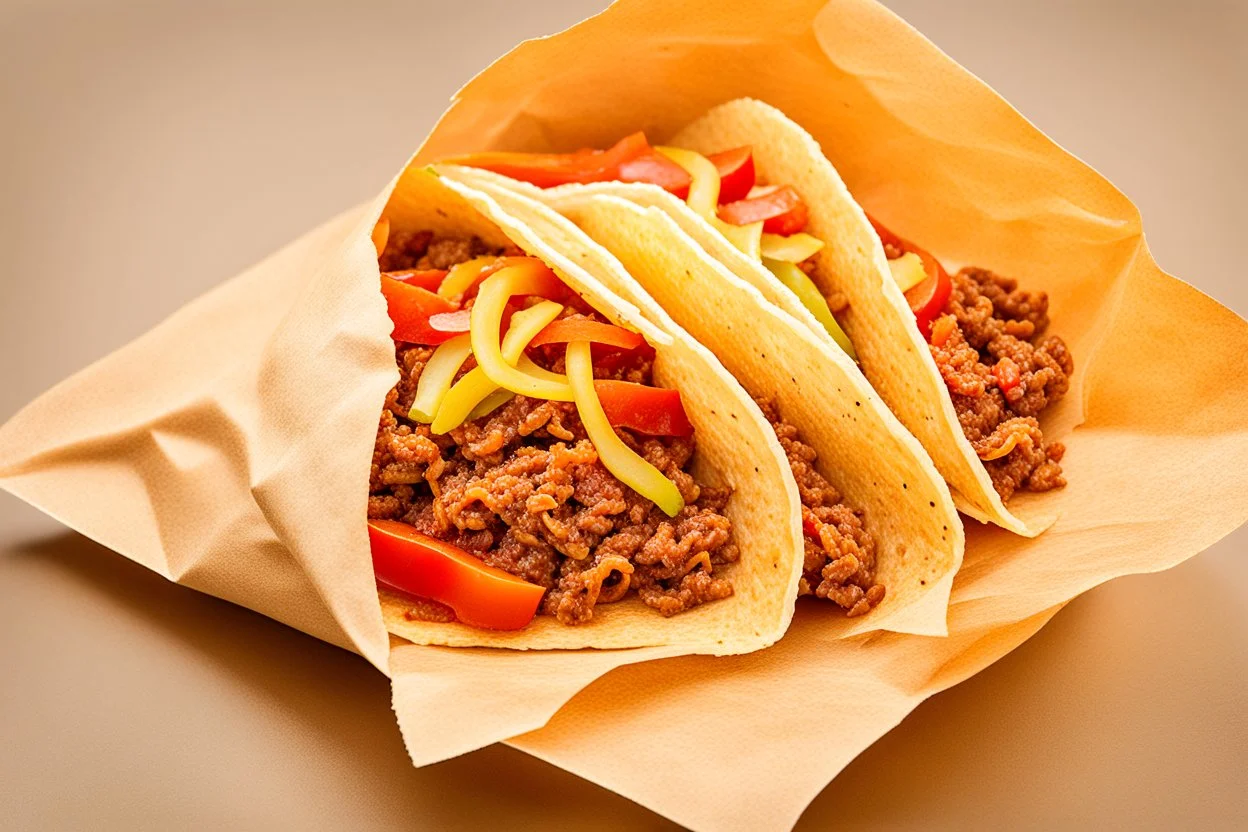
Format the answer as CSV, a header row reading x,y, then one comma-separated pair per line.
x,y
863,450
736,447
894,356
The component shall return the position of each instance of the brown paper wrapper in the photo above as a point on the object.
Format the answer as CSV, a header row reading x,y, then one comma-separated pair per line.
x,y
228,449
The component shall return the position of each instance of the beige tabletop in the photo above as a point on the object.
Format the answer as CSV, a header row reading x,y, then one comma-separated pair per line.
x,y
147,153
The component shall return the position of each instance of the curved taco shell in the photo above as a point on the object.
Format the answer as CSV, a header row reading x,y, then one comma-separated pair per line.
x,y
863,450
894,356
736,447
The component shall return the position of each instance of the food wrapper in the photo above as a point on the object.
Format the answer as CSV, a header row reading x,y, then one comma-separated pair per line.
x,y
229,448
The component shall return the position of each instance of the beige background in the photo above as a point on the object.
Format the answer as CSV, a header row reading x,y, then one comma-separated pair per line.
x,y
146,153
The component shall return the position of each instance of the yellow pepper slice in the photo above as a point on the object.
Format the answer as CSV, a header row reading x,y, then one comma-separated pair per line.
x,y
484,325
907,270
461,276
490,403
437,376
800,284
704,199
704,187
792,249
618,458
470,391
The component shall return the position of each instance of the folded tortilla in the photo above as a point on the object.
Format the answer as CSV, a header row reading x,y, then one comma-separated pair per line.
x,y
862,449
894,355
735,447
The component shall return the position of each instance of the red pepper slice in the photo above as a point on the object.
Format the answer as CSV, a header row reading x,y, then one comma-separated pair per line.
x,y
781,211
410,308
654,411
736,173
631,159
429,279
566,330
656,169
928,298
481,595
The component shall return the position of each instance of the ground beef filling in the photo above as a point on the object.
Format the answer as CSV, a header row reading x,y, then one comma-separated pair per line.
x,y
1002,371
840,552
522,488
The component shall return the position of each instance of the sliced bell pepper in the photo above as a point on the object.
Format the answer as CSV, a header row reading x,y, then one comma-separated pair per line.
x,y
463,276
490,403
429,279
630,160
461,401
928,298
583,329
436,377
487,318
654,411
627,466
736,172
907,271
800,284
481,595
781,210
654,169
792,249
704,185
410,308
704,198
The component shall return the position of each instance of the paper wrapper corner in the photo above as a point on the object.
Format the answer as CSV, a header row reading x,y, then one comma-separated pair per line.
x,y
214,445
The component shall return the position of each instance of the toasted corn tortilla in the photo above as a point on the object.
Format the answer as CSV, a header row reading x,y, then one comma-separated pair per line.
x,y
894,355
735,447
863,450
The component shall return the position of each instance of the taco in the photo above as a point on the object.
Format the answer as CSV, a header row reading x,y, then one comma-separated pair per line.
x,y
552,470
878,521
963,360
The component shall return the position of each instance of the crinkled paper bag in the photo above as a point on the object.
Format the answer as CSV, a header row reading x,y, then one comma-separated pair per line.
x,y
228,449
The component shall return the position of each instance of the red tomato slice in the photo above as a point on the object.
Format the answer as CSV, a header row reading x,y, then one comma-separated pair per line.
x,y
410,308
583,329
654,411
481,595
736,173
928,298
781,211
429,279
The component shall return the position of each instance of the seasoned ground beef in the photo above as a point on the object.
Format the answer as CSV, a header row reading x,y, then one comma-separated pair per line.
x,y
840,553
522,487
1002,371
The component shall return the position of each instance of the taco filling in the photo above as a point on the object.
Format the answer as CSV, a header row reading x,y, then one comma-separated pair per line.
x,y
839,560
988,339
545,473
520,480
765,222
